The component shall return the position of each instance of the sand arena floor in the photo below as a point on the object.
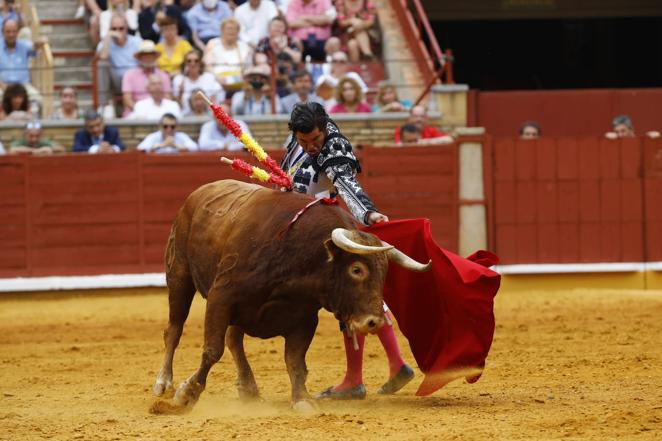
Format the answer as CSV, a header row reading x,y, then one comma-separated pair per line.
x,y
571,364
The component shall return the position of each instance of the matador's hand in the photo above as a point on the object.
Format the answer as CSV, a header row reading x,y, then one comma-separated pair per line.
x,y
375,217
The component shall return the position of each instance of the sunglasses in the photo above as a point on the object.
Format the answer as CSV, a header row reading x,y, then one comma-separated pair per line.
x,y
192,61
169,126
118,29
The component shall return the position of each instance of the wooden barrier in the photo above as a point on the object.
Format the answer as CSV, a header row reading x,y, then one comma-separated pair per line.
x,y
110,214
569,200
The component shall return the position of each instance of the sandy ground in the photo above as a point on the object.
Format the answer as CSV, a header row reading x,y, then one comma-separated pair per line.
x,y
571,364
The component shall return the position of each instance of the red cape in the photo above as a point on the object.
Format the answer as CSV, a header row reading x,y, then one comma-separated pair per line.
x,y
446,313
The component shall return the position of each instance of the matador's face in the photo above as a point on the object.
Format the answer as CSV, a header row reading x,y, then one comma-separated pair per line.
x,y
311,142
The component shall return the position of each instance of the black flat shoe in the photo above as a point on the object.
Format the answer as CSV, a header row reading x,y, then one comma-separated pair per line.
x,y
355,393
398,381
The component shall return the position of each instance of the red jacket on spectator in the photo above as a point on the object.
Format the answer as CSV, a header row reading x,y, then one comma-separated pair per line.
x,y
427,133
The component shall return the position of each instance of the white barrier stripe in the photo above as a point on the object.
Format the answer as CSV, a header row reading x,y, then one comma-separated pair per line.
x,y
21,284
565,268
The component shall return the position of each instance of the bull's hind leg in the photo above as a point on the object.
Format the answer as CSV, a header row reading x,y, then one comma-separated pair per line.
x,y
296,346
216,324
181,292
246,385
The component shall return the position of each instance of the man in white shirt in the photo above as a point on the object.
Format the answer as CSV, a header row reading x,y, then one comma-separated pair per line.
x,y
168,139
155,105
254,17
214,135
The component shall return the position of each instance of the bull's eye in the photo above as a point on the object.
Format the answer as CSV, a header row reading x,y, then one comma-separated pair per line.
x,y
358,271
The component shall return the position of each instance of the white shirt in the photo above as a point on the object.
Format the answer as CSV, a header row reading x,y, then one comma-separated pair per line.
x,y
333,82
146,108
220,60
153,139
205,82
213,139
105,16
255,22
2,149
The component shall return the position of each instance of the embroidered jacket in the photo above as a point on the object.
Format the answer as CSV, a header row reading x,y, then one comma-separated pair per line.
x,y
338,165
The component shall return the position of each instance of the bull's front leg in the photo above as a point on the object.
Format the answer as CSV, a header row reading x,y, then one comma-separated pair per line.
x,y
296,346
216,324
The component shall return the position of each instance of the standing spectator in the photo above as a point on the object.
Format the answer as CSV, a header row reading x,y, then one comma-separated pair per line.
x,y
68,105
529,130
410,134
15,56
302,86
418,115
197,106
172,47
116,55
215,136
96,137
204,19
8,12
622,127
134,83
254,17
356,21
156,104
349,98
152,10
226,56
168,139
277,41
387,100
255,99
98,31
326,83
32,142
15,104
310,21
193,77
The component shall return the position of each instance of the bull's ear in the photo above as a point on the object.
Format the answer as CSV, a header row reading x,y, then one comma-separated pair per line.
x,y
331,249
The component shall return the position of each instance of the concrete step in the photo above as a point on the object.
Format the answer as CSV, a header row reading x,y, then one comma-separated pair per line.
x,y
55,9
72,36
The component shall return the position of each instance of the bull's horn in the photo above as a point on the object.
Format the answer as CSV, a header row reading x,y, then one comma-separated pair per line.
x,y
340,237
397,256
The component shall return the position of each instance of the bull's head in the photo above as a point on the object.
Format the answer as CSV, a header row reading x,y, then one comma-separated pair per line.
x,y
359,277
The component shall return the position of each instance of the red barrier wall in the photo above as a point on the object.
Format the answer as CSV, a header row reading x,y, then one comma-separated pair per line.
x,y
100,214
559,200
565,112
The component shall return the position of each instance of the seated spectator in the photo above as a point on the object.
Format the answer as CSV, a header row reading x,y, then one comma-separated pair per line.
x,y
284,69
15,104
622,127
254,17
226,56
32,142
172,47
193,77
215,136
357,28
99,29
277,41
255,98
197,106
152,10
529,130
204,19
156,104
15,56
349,98
116,55
134,83
302,92
68,105
418,115
410,134
310,21
96,137
387,100
168,139
326,83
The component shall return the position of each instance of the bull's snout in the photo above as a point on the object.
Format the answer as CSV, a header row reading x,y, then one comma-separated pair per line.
x,y
368,324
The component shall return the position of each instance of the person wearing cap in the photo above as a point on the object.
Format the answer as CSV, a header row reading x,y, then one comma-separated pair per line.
x,y
96,137
32,142
255,98
134,83
326,83
115,56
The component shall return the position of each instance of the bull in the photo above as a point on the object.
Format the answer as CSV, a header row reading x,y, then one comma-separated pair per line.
x,y
228,242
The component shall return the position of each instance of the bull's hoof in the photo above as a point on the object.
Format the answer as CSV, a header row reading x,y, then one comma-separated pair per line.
x,y
161,407
248,391
163,388
188,393
355,393
398,381
305,406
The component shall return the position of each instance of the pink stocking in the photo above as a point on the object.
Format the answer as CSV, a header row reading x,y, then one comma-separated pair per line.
x,y
354,374
387,336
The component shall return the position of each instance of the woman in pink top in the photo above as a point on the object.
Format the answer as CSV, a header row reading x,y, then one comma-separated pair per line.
x,y
357,28
349,98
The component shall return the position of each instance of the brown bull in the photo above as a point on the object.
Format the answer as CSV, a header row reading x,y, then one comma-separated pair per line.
x,y
224,243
